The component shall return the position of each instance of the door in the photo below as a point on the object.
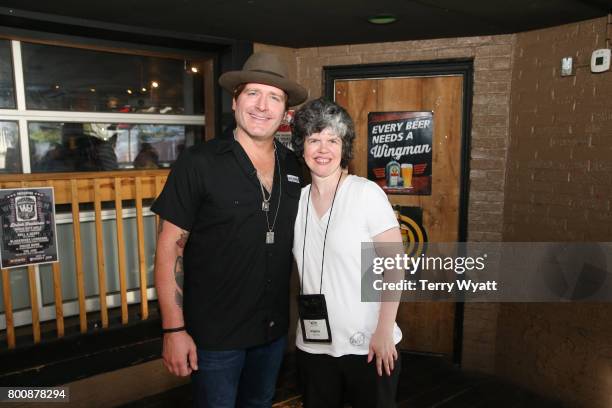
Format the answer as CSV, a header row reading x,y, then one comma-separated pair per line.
x,y
427,327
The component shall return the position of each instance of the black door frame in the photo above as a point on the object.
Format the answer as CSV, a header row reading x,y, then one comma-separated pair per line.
x,y
463,67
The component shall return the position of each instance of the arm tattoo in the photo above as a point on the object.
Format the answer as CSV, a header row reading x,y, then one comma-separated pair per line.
x,y
160,228
178,277
182,239
179,271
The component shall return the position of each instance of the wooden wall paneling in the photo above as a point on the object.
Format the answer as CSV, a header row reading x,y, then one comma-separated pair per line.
x,y
63,184
359,98
57,286
121,250
429,326
59,300
100,252
33,285
8,308
445,99
399,94
78,253
74,189
142,265
440,210
402,94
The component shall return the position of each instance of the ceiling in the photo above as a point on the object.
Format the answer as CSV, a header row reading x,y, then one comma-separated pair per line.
x,y
321,22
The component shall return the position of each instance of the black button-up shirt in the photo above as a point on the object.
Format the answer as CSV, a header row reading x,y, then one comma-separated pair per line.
x,y
236,287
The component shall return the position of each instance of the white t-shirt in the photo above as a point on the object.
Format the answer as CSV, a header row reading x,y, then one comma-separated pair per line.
x,y
361,211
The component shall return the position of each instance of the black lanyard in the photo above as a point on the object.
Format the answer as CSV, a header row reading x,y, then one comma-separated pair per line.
x,y
324,238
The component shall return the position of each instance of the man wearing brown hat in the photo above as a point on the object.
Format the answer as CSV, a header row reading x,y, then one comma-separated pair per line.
x,y
227,214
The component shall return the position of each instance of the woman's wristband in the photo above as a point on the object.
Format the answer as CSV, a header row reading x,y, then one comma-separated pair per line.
x,y
173,330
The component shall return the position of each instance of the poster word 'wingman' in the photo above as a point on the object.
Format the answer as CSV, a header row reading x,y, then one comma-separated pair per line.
x,y
400,151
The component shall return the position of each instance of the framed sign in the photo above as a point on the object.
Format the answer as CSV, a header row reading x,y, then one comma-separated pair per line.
x,y
400,151
283,134
28,234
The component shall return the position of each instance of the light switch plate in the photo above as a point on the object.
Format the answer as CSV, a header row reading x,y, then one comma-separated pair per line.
x,y
567,66
600,60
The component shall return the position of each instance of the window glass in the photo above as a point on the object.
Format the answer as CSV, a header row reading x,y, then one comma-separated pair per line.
x,y
20,291
7,83
73,79
56,147
10,152
65,238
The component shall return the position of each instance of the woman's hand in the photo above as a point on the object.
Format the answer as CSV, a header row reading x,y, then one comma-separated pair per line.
x,y
383,347
381,343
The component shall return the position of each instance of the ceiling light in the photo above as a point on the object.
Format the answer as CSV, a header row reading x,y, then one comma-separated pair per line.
x,y
194,70
92,89
154,84
57,87
129,91
143,89
382,19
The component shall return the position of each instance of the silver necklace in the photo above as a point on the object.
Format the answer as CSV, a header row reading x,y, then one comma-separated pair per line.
x,y
265,204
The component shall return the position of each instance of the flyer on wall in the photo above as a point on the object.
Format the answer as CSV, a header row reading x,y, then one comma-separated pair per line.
x,y
28,233
400,151
283,134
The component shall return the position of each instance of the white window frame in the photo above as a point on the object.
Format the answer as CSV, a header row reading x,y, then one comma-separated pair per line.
x,y
22,116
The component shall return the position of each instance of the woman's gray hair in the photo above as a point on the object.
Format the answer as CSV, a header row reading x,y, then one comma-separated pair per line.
x,y
318,115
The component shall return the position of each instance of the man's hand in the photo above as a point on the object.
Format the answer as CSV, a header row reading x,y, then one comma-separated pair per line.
x,y
180,355
383,347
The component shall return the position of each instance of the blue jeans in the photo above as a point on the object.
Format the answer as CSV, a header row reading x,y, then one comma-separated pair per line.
x,y
244,378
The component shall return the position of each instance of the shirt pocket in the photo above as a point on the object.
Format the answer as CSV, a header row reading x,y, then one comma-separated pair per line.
x,y
228,212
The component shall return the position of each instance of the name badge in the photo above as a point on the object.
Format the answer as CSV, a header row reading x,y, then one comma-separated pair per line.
x,y
313,319
293,179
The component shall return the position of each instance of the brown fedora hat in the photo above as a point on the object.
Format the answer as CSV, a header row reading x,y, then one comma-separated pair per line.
x,y
268,69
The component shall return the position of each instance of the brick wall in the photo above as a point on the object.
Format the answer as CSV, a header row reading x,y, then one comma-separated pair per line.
x,y
559,179
540,170
559,188
490,122
492,76
489,138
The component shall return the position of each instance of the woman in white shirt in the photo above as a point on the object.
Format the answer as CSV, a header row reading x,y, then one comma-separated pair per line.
x,y
346,348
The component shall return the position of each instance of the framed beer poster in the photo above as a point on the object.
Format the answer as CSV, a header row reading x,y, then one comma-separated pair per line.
x,y
400,151
28,234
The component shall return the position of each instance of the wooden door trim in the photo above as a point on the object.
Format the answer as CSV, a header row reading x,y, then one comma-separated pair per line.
x,y
463,67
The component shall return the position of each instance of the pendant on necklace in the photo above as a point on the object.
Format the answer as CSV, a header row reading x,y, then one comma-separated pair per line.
x,y
265,206
270,237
